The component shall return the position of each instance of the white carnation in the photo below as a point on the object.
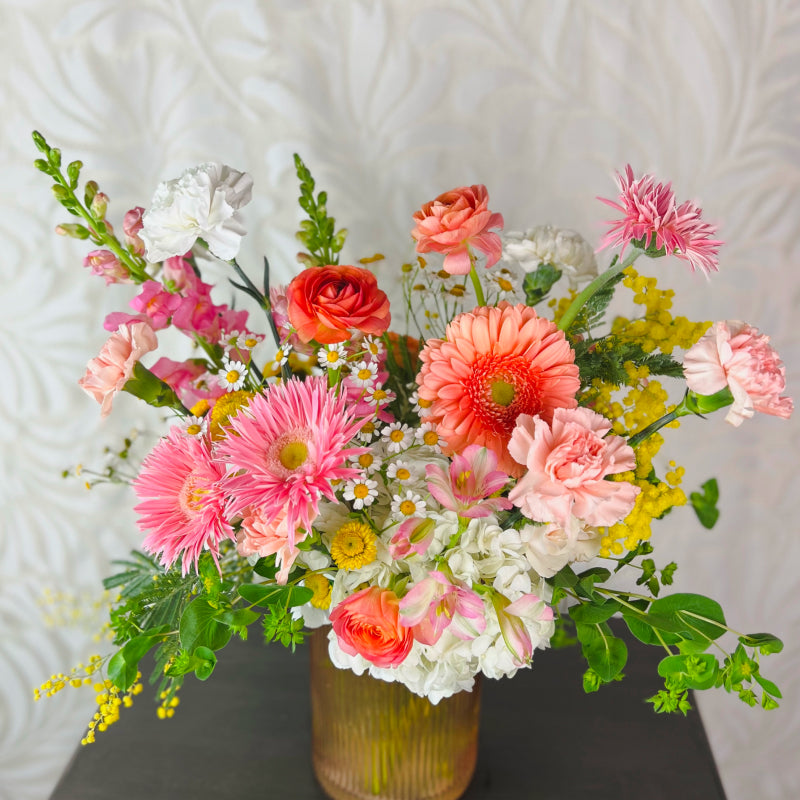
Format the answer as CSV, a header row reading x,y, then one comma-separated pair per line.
x,y
563,248
203,203
549,547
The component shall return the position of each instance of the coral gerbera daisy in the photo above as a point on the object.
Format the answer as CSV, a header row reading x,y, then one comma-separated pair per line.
x,y
286,447
493,365
182,504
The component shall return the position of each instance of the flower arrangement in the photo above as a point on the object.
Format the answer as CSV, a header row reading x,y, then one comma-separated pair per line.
x,y
449,498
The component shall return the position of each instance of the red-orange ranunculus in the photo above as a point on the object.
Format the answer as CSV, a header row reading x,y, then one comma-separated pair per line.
x,y
368,624
327,303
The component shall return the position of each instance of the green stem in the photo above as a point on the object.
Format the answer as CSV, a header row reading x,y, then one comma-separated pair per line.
x,y
595,286
476,281
643,434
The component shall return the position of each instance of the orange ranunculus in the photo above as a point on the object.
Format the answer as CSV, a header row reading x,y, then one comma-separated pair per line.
x,y
368,624
454,222
326,303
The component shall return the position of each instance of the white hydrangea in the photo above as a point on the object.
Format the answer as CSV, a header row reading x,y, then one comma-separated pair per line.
x,y
545,244
204,202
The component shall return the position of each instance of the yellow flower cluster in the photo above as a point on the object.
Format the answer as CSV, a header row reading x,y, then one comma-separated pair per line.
x,y
109,698
169,702
657,329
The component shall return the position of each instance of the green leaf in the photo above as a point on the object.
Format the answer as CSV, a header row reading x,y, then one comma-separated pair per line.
x,y
605,653
565,577
124,664
768,703
538,283
692,671
206,660
592,612
591,681
648,628
765,642
705,504
266,567
151,389
268,594
200,628
701,617
768,686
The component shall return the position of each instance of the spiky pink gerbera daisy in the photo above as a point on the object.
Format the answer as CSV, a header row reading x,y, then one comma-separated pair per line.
x,y
181,501
652,218
493,365
285,449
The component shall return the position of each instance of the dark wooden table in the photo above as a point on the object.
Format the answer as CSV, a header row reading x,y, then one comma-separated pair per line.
x,y
245,734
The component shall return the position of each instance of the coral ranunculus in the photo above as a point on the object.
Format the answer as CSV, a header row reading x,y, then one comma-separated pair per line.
x,y
493,365
455,221
368,624
327,303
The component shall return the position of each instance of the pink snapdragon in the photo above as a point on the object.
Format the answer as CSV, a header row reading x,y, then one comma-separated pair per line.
x,y
514,618
467,486
567,464
177,273
652,218
183,377
106,265
131,225
437,603
112,369
736,355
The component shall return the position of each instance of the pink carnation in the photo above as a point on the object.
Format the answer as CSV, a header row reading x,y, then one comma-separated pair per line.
x,y
111,370
652,219
454,222
262,536
567,464
736,355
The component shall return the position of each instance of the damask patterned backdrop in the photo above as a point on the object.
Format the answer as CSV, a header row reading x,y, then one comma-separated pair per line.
x,y
390,103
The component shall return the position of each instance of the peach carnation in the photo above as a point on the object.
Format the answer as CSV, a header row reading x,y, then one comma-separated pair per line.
x,y
112,369
567,464
493,365
736,355
454,222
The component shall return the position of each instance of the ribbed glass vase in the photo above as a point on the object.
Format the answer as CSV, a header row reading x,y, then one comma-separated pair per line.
x,y
373,740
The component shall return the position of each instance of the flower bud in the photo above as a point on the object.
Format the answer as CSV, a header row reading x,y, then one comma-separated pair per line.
x,y
99,206
105,264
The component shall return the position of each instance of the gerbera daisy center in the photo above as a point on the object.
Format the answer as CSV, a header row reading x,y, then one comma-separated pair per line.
x,y
503,393
293,455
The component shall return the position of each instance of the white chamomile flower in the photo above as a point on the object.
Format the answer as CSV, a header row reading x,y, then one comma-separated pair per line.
x,y
398,437
426,434
419,405
233,375
408,504
380,395
195,426
505,282
365,373
361,492
228,338
247,340
373,346
368,461
402,472
331,357
282,355
367,431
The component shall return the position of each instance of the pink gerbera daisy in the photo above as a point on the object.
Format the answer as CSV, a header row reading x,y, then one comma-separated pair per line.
x,y
182,504
493,365
286,447
652,219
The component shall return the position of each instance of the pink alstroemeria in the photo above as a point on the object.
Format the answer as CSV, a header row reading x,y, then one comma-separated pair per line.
x,y
413,536
512,617
437,603
466,487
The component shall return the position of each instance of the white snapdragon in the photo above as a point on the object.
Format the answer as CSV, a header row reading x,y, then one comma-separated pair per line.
x,y
204,202
563,248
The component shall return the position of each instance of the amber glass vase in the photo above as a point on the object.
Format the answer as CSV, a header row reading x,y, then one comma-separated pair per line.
x,y
373,740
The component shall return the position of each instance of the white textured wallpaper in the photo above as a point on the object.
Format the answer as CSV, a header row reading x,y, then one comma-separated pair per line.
x,y
391,103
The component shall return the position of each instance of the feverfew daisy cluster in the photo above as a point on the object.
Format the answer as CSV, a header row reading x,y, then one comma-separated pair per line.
x,y
448,486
